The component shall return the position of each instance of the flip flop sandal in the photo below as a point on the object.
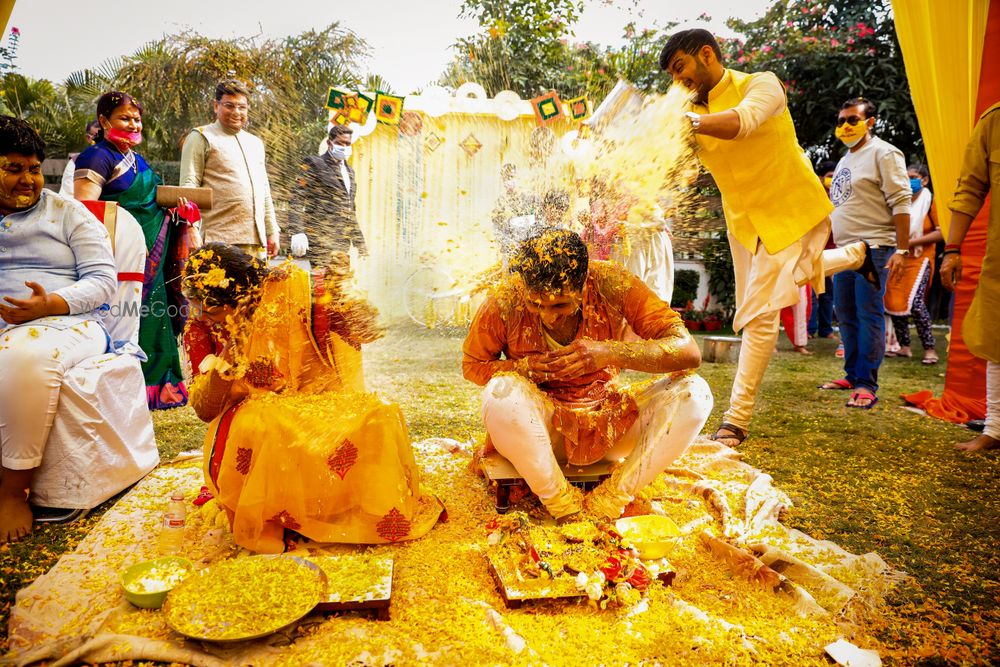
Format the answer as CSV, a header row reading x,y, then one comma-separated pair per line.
x,y
841,385
203,497
929,362
736,433
863,394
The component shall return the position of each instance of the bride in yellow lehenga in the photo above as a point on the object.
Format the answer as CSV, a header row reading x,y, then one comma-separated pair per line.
x,y
295,444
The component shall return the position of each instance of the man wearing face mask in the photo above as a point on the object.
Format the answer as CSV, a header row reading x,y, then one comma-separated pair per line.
x,y
776,209
872,195
225,157
322,217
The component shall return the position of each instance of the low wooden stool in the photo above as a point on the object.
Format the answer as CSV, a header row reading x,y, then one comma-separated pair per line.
x,y
721,349
498,469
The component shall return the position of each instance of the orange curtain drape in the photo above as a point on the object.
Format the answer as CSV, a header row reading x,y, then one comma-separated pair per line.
x,y
964,396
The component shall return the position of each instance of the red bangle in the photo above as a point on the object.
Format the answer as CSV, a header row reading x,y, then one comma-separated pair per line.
x,y
952,246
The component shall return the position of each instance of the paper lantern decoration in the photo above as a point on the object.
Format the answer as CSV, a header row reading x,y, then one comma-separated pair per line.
x,y
471,145
507,104
388,108
471,89
547,108
579,108
577,147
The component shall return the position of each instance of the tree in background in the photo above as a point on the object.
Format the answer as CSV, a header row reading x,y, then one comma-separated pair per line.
x,y
174,79
593,70
826,53
526,46
38,101
519,48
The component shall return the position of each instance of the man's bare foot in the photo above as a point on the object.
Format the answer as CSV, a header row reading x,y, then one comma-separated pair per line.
x,y
15,518
979,443
802,349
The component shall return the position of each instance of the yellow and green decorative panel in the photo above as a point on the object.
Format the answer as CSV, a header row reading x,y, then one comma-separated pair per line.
x,y
336,98
579,108
388,108
547,108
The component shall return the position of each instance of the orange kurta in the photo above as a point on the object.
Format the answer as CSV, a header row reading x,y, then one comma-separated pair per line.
x,y
899,293
295,444
590,412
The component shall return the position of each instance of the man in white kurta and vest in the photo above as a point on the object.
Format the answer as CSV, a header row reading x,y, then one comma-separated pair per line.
x,y
777,213
228,159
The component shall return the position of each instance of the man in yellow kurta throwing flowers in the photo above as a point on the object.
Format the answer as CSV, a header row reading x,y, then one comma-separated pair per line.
x,y
548,346
777,213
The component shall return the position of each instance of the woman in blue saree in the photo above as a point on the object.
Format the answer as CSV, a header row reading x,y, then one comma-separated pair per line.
x,y
111,171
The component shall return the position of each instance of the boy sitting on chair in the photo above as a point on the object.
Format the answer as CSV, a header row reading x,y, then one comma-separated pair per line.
x,y
548,345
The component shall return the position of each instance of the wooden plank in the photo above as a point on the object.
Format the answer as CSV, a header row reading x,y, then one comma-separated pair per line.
x,y
515,593
379,604
497,468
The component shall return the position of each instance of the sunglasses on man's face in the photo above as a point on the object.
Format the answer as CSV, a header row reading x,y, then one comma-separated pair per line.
x,y
850,120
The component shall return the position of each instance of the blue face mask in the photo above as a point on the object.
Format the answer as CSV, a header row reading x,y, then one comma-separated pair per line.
x,y
916,185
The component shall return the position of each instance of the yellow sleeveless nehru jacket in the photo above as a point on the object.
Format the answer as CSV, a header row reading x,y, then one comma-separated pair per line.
x,y
769,190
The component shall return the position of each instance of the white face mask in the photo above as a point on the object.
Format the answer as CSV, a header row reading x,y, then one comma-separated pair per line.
x,y
338,152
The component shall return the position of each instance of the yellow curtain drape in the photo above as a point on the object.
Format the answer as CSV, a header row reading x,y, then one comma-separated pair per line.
x,y
6,7
942,45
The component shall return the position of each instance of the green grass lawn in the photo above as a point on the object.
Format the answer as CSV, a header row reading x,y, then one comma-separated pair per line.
x,y
884,480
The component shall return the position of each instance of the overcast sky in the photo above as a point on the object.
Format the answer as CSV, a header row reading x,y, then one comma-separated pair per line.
x,y
410,39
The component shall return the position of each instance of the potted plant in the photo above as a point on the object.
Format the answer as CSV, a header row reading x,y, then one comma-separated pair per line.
x,y
693,319
713,321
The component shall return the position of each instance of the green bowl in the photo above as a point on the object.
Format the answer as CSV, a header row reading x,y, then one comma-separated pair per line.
x,y
152,600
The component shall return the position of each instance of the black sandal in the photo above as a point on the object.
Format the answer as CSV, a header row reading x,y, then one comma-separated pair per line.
x,y
869,271
738,434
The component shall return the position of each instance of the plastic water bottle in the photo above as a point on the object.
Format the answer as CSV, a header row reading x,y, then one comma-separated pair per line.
x,y
171,535
177,506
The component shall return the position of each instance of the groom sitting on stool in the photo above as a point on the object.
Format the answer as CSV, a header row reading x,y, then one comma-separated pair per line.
x,y
548,345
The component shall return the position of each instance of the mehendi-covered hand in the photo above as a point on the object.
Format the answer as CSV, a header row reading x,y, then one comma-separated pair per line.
x,y
951,270
582,357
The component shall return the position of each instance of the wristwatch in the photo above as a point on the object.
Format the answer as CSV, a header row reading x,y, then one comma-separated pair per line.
x,y
904,253
695,120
